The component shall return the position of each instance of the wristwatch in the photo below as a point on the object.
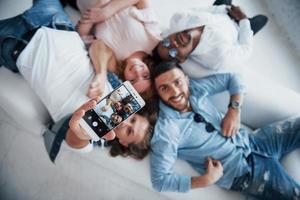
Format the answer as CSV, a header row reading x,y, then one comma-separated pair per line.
x,y
234,104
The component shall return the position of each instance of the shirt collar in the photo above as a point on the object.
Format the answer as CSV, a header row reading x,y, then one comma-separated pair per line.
x,y
167,110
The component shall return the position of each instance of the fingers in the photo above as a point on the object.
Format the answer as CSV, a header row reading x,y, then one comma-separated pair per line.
x,y
85,21
110,135
216,163
79,113
93,93
95,83
208,163
89,105
91,14
213,163
229,128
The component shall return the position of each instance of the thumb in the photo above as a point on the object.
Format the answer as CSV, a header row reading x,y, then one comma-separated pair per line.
x,y
209,162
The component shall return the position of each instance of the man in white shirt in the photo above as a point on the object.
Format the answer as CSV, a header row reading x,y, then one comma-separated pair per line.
x,y
216,37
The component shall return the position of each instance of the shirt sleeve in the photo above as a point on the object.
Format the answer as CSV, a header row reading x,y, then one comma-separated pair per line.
x,y
162,159
221,9
148,17
218,83
88,148
241,51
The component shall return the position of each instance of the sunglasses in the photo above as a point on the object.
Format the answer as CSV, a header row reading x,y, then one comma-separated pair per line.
x,y
173,52
200,119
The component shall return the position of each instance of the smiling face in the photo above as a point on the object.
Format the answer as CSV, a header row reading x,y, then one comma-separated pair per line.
x,y
128,108
132,130
137,72
116,119
178,46
118,106
173,88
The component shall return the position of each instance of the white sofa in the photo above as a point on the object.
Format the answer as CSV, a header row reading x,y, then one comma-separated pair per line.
x,y
26,171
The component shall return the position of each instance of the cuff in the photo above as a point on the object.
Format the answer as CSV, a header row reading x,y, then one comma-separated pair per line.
x,y
88,148
245,27
185,183
237,85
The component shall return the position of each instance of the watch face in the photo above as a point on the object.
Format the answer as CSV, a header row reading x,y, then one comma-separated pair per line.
x,y
235,104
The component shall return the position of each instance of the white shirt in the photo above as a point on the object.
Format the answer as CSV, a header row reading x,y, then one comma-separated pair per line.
x,y
127,31
56,65
223,43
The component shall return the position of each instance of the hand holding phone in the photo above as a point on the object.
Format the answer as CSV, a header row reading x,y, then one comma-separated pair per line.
x,y
119,105
75,127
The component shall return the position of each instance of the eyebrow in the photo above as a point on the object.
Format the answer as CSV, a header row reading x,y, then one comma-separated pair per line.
x,y
168,84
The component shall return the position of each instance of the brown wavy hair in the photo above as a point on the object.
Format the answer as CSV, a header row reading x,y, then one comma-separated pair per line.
x,y
140,150
137,151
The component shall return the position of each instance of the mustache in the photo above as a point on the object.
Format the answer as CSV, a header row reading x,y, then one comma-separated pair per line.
x,y
174,97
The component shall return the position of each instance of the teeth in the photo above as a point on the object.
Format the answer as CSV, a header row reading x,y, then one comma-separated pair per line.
x,y
177,99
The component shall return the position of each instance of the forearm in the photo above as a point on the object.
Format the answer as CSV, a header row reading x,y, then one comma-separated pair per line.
x,y
200,181
84,28
245,40
116,5
73,141
220,9
237,97
100,56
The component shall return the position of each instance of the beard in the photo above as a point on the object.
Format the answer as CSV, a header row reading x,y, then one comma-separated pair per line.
x,y
181,103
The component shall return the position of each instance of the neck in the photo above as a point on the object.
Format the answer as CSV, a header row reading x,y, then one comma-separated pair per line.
x,y
188,108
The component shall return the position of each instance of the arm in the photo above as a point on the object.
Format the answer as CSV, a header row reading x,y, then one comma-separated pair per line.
x,y
101,57
76,137
218,83
213,173
162,158
221,82
99,13
243,49
220,9
232,119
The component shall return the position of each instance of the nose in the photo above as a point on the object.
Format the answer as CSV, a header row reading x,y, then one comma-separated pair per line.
x,y
175,44
175,91
124,124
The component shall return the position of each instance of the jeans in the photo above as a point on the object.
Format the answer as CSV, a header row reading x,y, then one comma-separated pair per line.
x,y
268,179
48,13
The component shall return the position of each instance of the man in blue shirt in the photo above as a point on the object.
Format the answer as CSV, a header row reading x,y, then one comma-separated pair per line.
x,y
191,128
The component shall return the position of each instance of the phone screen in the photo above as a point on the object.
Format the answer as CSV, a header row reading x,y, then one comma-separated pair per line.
x,y
111,111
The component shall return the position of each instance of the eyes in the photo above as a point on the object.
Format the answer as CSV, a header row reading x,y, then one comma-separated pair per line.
x,y
177,83
145,76
129,130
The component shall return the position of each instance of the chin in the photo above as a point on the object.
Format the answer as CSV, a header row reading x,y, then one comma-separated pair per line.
x,y
178,107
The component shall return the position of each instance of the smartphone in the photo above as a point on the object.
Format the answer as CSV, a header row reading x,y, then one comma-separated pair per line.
x,y
111,111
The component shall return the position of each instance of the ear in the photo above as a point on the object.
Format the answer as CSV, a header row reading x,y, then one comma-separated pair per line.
x,y
125,144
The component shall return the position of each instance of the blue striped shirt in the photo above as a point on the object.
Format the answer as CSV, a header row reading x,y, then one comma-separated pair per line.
x,y
177,135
